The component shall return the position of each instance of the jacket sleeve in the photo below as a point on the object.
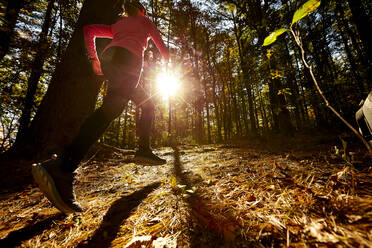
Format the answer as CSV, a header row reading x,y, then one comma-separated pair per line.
x,y
155,36
90,34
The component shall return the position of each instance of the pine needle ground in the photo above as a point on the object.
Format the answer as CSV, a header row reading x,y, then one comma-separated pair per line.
x,y
206,196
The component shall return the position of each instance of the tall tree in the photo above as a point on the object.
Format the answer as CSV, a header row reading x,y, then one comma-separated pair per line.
x,y
36,72
342,24
10,20
364,27
73,90
363,24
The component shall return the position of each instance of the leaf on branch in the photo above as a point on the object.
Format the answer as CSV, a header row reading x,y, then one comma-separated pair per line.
x,y
276,74
285,91
306,9
273,36
269,53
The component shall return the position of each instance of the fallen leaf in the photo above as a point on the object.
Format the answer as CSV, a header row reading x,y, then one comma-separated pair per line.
x,y
138,242
165,242
250,198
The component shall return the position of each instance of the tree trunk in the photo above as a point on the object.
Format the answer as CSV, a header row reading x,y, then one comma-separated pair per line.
x,y
217,110
169,116
132,129
72,93
225,108
125,128
118,126
214,93
244,68
363,26
265,122
208,121
206,102
199,132
244,108
292,83
281,116
36,72
10,20
341,23
302,83
274,105
251,108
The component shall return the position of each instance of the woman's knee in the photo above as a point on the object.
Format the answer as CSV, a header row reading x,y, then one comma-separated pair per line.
x,y
112,108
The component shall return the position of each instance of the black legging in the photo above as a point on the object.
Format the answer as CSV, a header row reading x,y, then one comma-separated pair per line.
x,y
122,69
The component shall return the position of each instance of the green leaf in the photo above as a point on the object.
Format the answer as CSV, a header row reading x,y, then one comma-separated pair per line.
x,y
273,36
161,194
181,186
306,9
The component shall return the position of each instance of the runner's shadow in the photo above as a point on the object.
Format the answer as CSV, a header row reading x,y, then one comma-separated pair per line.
x,y
16,238
178,167
201,212
119,211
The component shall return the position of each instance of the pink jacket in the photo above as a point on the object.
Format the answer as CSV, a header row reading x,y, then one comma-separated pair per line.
x,y
131,33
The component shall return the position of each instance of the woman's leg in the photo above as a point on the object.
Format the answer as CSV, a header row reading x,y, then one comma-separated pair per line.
x,y
144,155
93,128
143,101
122,71
56,177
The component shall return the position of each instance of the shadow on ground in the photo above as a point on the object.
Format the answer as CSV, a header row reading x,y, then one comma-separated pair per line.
x,y
208,230
18,175
119,211
16,238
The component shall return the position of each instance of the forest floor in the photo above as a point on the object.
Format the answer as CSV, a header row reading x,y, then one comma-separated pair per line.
x,y
292,193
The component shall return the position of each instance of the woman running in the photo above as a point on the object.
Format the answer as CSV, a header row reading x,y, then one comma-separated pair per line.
x,y
121,63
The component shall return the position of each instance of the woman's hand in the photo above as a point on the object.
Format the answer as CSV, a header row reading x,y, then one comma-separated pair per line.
x,y
96,65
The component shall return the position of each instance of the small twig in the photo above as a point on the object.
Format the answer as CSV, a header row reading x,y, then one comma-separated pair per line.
x,y
309,67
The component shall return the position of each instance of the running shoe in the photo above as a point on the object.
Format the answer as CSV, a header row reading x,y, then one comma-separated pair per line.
x,y
57,185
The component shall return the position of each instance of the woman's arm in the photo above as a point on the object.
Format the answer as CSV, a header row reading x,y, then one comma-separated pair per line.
x,y
90,34
155,36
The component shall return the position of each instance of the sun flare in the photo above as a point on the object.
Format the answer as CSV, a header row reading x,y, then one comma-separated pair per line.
x,y
167,84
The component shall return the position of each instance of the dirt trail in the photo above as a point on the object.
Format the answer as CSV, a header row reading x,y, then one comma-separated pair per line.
x,y
209,196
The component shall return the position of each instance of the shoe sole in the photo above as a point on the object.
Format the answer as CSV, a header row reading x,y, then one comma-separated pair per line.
x,y
147,162
48,187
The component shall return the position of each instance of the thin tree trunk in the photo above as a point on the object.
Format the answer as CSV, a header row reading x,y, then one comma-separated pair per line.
x,y
214,93
364,28
169,116
125,128
354,67
209,139
263,113
302,89
10,20
251,108
244,108
243,66
118,126
36,72
292,82
175,122
363,25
